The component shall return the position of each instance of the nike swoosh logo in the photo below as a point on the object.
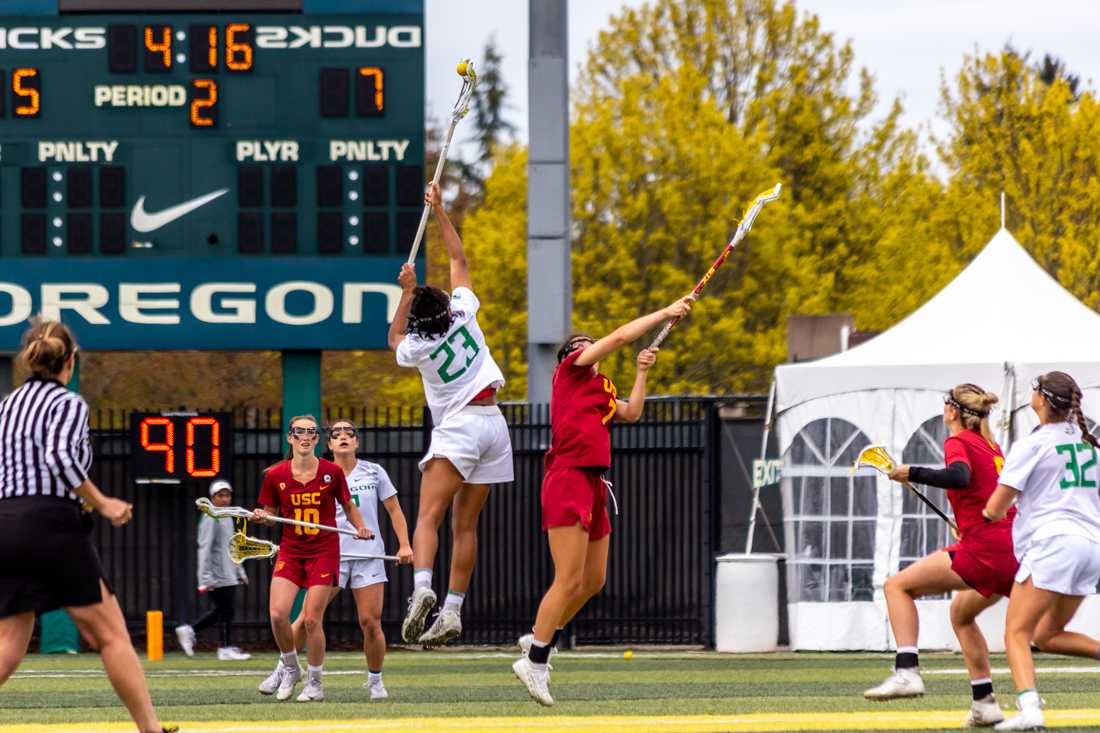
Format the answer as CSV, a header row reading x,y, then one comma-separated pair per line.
x,y
142,221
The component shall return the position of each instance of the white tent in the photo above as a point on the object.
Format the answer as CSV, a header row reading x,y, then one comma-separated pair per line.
x,y
1001,322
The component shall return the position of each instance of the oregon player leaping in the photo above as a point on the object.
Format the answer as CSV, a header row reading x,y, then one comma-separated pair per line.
x,y
470,448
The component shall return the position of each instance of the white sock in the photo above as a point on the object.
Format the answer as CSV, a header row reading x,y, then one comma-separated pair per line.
x,y
290,659
315,672
907,650
374,678
422,577
454,601
1028,699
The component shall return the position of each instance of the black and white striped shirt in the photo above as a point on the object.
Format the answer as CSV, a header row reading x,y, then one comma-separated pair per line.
x,y
45,449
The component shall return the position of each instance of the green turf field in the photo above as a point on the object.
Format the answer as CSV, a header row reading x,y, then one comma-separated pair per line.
x,y
474,690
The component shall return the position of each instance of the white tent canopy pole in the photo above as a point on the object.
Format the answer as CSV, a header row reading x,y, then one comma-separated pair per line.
x,y
763,459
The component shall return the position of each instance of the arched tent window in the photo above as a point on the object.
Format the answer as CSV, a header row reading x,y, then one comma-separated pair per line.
x,y
922,532
832,514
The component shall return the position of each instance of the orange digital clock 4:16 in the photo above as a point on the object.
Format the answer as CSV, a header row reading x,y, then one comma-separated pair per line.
x,y
174,447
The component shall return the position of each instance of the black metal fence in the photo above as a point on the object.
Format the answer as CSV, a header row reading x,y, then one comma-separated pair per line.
x,y
660,577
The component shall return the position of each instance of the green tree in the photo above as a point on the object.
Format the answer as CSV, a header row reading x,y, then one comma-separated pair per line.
x,y
1011,130
684,111
489,105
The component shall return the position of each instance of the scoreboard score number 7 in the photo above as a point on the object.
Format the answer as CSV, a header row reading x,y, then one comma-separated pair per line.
x,y
180,447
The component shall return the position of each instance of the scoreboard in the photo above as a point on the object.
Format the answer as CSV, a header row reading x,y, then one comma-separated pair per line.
x,y
216,141
179,447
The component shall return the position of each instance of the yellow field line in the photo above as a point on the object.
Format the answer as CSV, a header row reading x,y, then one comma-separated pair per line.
x,y
901,720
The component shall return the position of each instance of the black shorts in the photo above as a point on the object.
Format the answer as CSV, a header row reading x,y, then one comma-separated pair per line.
x,y
47,560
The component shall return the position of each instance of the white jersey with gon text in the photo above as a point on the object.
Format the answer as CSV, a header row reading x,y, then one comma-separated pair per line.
x,y
456,366
369,485
1056,473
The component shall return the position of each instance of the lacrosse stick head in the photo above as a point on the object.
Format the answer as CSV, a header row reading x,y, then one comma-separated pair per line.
x,y
758,203
465,69
242,547
876,457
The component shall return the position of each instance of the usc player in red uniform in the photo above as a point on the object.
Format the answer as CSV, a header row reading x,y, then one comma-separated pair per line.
x,y
981,566
583,403
306,488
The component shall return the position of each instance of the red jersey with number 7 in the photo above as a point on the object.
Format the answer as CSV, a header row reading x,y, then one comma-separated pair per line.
x,y
582,405
314,502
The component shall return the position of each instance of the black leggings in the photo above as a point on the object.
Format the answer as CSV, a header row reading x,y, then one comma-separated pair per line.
x,y
224,600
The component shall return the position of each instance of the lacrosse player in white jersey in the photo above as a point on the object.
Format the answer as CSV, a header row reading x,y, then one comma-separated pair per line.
x,y
470,449
1052,475
369,485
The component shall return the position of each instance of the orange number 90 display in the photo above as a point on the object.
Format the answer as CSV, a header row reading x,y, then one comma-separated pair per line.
x,y
171,447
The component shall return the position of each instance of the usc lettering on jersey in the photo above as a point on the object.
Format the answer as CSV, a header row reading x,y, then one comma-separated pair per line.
x,y
313,502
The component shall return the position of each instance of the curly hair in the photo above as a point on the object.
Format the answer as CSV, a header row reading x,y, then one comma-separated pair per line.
x,y
430,313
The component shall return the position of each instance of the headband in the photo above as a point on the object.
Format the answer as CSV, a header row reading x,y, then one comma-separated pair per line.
x,y
1055,400
963,408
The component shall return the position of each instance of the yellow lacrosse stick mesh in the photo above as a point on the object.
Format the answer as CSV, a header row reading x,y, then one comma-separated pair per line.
x,y
877,457
242,547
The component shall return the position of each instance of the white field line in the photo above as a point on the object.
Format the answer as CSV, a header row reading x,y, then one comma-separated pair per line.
x,y
98,671
30,672
1006,670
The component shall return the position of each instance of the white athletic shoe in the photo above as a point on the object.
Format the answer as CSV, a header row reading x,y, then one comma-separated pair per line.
x,y
312,692
537,681
902,683
271,684
525,643
1026,719
984,712
232,654
421,603
376,689
291,676
447,626
186,636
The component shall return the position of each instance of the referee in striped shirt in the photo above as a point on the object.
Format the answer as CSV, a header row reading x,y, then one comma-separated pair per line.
x,y
47,560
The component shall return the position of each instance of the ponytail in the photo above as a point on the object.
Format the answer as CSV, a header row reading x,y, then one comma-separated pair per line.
x,y
1079,416
47,347
974,405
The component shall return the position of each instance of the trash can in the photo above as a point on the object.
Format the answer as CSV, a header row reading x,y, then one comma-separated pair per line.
x,y
746,604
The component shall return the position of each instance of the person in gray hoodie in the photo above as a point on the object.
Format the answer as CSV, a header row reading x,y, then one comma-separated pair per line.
x,y
218,578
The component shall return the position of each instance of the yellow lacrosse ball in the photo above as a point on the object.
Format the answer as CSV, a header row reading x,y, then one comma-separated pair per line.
x,y
461,68
628,654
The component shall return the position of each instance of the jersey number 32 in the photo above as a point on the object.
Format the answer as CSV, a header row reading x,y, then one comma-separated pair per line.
x,y
1080,469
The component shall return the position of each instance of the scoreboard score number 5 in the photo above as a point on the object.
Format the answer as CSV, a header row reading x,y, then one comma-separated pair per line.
x,y
177,447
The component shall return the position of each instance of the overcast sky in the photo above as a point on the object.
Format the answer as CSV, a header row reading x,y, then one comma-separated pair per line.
x,y
905,43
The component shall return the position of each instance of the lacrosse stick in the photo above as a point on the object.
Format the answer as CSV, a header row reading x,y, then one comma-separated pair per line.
x,y
242,547
742,229
239,512
878,458
465,69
